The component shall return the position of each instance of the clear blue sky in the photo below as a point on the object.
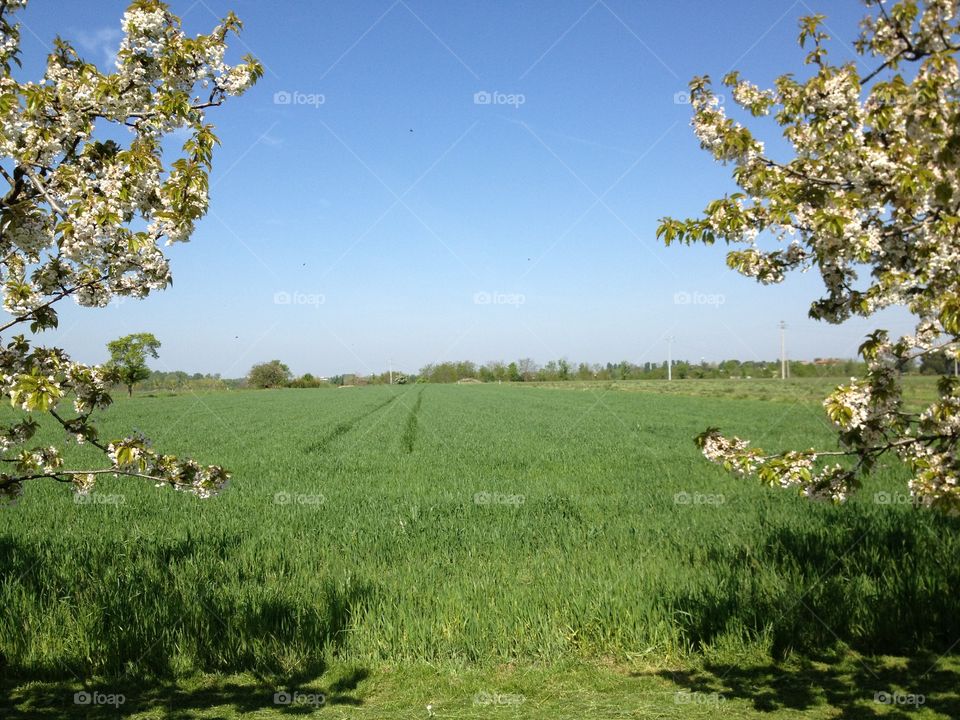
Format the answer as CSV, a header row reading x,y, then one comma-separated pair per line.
x,y
399,199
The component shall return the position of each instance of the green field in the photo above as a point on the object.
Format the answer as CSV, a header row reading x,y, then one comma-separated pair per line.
x,y
494,551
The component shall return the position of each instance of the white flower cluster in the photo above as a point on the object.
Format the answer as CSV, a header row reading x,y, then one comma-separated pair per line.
x,y
144,31
9,34
840,93
795,469
752,97
853,401
935,479
44,459
709,124
236,80
83,483
733,453
31,234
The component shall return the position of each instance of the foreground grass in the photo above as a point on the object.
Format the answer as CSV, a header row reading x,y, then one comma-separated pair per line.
x,y
845,685
398,547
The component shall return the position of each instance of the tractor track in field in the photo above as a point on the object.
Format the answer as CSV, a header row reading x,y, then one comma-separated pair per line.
x,y
342,428
409,437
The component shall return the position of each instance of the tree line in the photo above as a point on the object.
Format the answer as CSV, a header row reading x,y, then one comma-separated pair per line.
x,y
128,358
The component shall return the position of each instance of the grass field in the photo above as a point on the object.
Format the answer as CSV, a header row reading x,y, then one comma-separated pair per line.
x,y
488,550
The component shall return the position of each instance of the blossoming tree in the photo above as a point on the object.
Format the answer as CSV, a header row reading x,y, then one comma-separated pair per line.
x,y
85,218
871,199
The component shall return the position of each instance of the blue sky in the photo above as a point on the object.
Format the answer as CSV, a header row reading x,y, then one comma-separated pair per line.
x,y
382,213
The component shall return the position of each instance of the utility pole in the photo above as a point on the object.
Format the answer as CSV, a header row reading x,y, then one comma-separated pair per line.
x,y
390,363
783,351
669,357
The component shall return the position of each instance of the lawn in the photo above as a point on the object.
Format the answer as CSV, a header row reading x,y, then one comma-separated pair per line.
x,y
487,550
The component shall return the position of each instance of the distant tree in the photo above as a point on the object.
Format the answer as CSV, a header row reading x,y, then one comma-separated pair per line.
x,y
307,380
465,369
269,375
936,363
493,371
869,196
128,358
528,369
513,373
548,371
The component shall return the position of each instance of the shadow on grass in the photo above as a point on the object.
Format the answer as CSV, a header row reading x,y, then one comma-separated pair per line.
x,y
856,688
880,579
170,700
167,609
